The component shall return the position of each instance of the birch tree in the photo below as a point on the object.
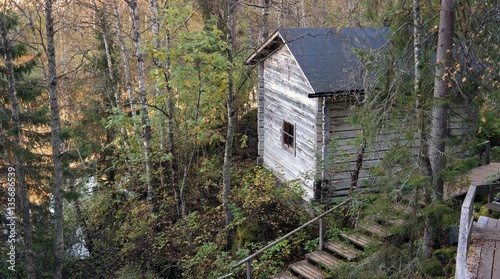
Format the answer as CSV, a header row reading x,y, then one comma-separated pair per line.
x,y
231,110
143,99
125,65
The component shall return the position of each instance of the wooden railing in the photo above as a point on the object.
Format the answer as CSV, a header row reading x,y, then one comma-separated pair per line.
x,y
466,225
248,259
466,222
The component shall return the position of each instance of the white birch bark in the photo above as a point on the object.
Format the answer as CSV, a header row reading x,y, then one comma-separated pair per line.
x,y
231,112
126,67
141,79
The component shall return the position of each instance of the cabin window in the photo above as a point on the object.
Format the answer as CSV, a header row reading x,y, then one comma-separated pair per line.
x,y
289,136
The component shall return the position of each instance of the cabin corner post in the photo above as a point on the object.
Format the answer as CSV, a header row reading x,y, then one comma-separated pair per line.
x,y
260,114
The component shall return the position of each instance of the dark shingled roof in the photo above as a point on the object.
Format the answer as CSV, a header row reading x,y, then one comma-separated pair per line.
x,y
326,55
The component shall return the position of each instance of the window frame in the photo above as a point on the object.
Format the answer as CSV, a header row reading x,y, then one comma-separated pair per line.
x,y
288,139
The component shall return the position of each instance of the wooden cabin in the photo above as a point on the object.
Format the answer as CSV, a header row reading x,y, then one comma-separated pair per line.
x,y
309,78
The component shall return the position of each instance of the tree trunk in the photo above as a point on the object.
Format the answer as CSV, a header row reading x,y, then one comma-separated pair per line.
x,y
231,112
442,84
141,78
55,126
423,154
173,164
21,181
126,68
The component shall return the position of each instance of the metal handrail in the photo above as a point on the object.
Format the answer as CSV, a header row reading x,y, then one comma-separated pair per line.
x,y
286,236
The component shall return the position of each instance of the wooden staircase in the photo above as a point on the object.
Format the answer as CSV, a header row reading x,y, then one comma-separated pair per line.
x,y
349,248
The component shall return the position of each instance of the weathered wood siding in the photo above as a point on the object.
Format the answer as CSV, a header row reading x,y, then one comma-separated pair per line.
x,y
285,98
462,127
344,146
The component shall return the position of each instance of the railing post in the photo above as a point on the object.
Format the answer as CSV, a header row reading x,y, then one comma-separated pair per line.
x,y
487,149
490,193
321,232
249,270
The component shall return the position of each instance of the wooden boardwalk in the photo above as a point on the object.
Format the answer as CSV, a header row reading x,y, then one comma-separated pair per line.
x,y
483,260
485,174
482,175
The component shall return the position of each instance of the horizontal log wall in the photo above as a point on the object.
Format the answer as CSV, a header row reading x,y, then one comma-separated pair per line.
x,y
344,143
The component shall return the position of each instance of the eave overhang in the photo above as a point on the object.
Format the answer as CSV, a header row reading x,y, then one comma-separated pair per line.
x,y
273,43
336,93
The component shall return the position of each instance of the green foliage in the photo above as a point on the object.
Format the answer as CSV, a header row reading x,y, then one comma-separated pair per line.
x,y
129,239
36,167
133,272
260,195
440,214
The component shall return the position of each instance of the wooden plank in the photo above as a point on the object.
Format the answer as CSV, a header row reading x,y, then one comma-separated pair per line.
x,y
360,239
307,270
343,250
486,173
495,273
487,253
481,222
323,259
474,255
473,259
374,228
486,234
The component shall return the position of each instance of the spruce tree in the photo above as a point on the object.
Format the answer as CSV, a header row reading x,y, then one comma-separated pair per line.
x,y
23,119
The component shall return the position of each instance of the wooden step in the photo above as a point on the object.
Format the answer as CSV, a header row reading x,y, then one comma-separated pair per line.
x,y
401,208
284,275
343,250
323,259
360,239
396,221
374,228
307,270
